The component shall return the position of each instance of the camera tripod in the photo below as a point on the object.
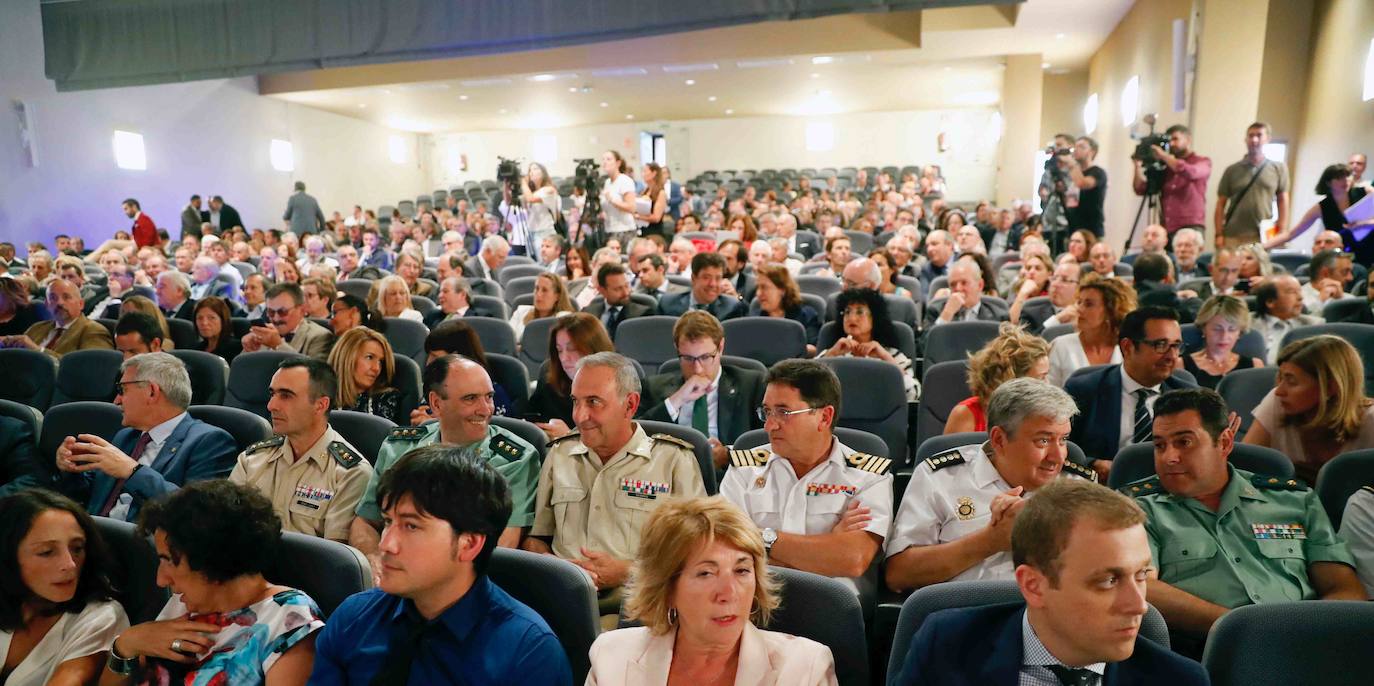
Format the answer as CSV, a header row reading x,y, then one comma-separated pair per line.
x,y
1151,202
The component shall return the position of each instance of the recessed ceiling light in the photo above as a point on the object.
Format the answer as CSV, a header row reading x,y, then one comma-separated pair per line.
x,y
729,111
605,104
822,59
712,98
814,75
543,77
690,82
462,97
502,110
572,89
629,116
361,106
1059,36
1044,65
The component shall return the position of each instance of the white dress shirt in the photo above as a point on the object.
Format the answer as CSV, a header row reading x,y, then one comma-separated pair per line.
x,y
683,415
157,437
1128,388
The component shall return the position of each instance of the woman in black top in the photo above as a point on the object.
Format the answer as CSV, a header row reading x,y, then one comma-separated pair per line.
x,y
572,338
17,311
366,368
777,295
1222,320
216,329
1337,197
655,182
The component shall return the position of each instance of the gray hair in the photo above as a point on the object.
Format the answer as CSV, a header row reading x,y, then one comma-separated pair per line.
x,y
177,278
493,242
165,370
1016,400
459,285
626,377
1192,234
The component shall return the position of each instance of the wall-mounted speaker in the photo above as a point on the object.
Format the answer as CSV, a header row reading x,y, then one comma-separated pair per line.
x,y
28,136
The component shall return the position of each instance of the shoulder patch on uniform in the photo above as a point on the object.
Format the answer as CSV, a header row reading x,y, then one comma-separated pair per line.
x,y
273,442
1080,471
1367,488
674,440
505,447
344,455
869,463
749,457
564,437
945,459
1143,487
407,433
1277,483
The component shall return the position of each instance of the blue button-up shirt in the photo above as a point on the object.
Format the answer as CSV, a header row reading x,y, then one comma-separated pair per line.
x,y
487,637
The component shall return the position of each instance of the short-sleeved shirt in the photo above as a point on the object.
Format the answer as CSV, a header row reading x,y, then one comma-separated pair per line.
x,y
75,635
315,494
583,503
618,220
1357,530
1287,439
1256,548
249,643
513,457
1257,204
1088,214
949,497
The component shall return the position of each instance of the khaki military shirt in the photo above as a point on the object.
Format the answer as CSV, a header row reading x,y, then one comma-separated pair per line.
x,y
1255,548
583,503
315,494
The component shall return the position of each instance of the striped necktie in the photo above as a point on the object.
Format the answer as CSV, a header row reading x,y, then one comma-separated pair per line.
x,y
1144,423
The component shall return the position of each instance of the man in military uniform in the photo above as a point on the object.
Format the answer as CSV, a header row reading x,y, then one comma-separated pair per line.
x,y
600,483
1223,537
313,477
1357,530
461,394
959,508
823,507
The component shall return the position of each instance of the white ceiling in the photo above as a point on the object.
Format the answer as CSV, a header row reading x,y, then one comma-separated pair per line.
x,y
953,67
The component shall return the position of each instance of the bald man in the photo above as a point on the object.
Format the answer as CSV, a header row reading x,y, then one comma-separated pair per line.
x,y
68,330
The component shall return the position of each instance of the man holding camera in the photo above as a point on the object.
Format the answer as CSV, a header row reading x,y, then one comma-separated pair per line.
x,y
1091,182
1183,192
1053,184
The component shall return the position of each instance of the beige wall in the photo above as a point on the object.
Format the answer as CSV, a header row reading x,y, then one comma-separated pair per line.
x,y
1022,96
1062,109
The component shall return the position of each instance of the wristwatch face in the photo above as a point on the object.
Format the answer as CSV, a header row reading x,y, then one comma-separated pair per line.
x,y
769,537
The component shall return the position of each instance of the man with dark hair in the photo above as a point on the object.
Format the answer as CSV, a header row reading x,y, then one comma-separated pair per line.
x,y
137,333
1115,402
615,305
223,215
1082,563
461,395
739,277
1330,270
313,476
1183,191
1247,191
192,217
1223,537
823,506
1155,286
1091,181
144,230
1278,310
708,271
290,330
435,617
653,277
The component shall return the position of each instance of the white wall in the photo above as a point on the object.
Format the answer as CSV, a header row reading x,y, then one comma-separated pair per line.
x,y
206,137
873,138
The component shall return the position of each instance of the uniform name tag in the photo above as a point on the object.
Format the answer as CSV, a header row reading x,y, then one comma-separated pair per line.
x,y
1278,531
306,503
312,493
829,489
638,488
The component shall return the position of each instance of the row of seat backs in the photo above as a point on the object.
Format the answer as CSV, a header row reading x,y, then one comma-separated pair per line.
x,y
41,381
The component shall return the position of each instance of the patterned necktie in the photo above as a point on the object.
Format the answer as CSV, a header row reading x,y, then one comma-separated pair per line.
x,y
699,306
118,488
1144,424
1070,676
611,319
701,416
56,335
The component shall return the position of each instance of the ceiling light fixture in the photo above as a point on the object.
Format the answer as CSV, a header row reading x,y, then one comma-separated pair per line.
x,y
543,77
629,116
605,104
729,111
814,75
462,97
711,99
822,59
690,82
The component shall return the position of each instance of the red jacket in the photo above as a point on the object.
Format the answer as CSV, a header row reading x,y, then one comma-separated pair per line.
x,y
145,232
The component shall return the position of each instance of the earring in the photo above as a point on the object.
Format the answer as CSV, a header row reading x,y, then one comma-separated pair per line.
x,y
672,616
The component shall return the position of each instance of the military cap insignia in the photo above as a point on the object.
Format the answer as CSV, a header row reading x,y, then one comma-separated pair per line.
x,y
966,509
1142,487
564,437
869,463
1277,483
273,442
407,433
948,459
344,455
1079,470
669,438
505,447
749,457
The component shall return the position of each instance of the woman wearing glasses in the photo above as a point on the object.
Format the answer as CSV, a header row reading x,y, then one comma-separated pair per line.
x,y
868,332
1223,319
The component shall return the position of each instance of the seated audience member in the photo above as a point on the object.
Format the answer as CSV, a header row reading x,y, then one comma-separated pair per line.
x,y
1034,279
216,329
838,533
1222,320
286,271
550,300
173,292
18,312
207,281
1362,315
1225,276
615,305
68,330
1115,402
1061,308
461,396
161,448
375,254
1279,310
652,275
572,338
1255,267
1155,287
837,255
313,476
20,465
1012,355
350,312
57,611
1318,408
1102,260
708,270
455,302
1217,533
739,276
888,269
599,484
715,399
1101,306
366,368
959,508
319,297
551,253
408,268
389,297
776,295
577,263
1330,271
680,254
583,292
138,303
224,623
1080,245
290,330
1187,249
1082,562
700,586
967,282
862,272
492,257
435,617
137,333
1357,530
255,296
869,332
457,338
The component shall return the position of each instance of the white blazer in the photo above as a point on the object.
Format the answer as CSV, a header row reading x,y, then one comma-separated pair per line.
x,y
634,657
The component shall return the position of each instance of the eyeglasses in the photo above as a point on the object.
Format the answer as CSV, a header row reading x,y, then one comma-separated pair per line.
x,y
278,311
698,359
765,413
119,385
1163,345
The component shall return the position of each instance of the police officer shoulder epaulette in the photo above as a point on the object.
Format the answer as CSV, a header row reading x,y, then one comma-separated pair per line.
x,y
407,433
564,437
869,463
1142,487
273,442
945,459
1080,471
749,457
1367,488
506,448
344,455
674,440
1277,483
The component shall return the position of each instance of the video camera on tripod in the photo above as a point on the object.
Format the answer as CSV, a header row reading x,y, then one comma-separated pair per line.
x,y
587,177
508,174
1145,154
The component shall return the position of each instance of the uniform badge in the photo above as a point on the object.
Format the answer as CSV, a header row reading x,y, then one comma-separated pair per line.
x,y
760,482
313,493
966,509
1278,531
830,489
639,488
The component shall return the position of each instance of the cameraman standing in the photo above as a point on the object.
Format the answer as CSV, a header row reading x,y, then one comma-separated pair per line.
x,y
1183,194
1091,181
1053,186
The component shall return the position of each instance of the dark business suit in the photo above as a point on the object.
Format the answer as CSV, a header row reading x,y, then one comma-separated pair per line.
x,y
1155,294
185,311
723,307
191,219
438,317
1013,237
20,466
228,218
630,310
744,283
668,289
929,272
741,392
982,646
988,311
1361,315
1097,428
1034,314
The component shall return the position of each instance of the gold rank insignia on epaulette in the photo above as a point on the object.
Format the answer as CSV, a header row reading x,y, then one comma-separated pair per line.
x,y
407,433
674,440
564,437
1079,470
869,463
506,448
1143,487
273,442
749,457
1277,483
947,459
344,455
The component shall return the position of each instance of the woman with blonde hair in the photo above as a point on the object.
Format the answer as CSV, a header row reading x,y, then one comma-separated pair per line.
x,y
1317,409
366,369
550,300
1254,266
1222,320
390,297
700,585
1102,304
138,303
1012,355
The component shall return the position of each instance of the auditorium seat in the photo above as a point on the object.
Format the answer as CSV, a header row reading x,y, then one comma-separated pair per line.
x,y
1293,643
944,385
1243,389
245,427
674,366
496,335
512,375
410,381
209,375
494,304
647,340
826,611
1052,332
362,431
327,571
873,399
357,288
700,447
906,338
30,377
184,333
134,569
1339,310
250,374
407,338
78,417
766,339
558,591
423,305
1136,461
534,343
487,287
30,416
824,286
87,375
955,340
1340,478
510,271
518,286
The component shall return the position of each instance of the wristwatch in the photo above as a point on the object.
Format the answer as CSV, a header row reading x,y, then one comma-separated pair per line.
x,y
770,536
123,666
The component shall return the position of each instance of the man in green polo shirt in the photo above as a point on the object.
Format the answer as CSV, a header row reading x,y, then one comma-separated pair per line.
x,y
1223,537
461,395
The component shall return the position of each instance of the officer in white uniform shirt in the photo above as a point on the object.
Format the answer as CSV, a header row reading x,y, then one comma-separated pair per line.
x,y
823,507
958,510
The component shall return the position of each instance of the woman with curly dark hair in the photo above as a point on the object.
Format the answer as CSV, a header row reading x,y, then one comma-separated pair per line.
x,y
868,329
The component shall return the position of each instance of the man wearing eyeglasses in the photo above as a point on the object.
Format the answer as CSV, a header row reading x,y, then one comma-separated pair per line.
x,y
290,331
717,400
824,507
1116,402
